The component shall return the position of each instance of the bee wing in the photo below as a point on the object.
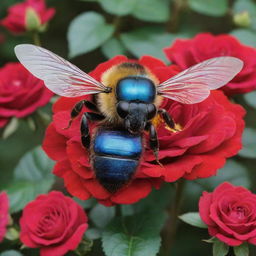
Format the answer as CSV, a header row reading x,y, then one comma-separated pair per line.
x,y
59,75
193,85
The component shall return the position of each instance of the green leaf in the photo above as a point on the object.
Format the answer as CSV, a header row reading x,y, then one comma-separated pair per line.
x,y
101,215
11,253
158,199
242,250
250,98
11,127
137,235
220,248
249,143
147,41
93,233
85,204
152,10
194,219
118,7
248,6
245,36
113,47
209,7
87,32
32,177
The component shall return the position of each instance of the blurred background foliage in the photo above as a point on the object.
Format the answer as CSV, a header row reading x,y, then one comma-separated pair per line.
x,y
89,32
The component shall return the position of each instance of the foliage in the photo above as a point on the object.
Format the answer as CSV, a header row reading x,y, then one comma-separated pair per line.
x,y
97,30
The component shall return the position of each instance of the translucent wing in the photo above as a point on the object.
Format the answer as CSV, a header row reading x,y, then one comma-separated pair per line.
x,y
59,75
193,85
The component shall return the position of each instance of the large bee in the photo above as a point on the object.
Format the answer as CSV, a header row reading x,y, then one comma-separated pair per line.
x,y
127,98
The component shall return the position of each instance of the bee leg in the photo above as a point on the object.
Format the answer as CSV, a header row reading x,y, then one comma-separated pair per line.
x,y
84,128
85,133
167,118
153,141
77,109
90,105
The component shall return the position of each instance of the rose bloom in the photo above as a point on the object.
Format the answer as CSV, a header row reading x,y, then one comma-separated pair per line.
x,y
230,213
20,92
16,19
209,133
54,223
187,52
4,215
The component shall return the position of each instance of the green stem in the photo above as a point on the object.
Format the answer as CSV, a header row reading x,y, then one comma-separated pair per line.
x,y
36,38
172,221
175,11
117,22
118,210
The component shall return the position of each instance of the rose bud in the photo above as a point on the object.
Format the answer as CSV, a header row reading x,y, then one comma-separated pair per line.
x,y
20,93
30,15
230,213
187,52
54,223
4,216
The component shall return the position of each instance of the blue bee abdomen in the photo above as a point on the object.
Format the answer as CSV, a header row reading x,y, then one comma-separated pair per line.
x,y
136,88
118,143
116,157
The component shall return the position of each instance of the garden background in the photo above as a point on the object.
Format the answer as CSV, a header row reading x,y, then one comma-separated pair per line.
x,y
88,33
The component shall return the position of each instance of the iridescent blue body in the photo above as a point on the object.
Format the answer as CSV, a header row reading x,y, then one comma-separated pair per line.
x,y
116,157
135,102
136,88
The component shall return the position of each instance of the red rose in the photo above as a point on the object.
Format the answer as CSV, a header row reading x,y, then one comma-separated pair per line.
x,y
73,165
211,132
20,92
4,216
187,52
16,21
230,213
54,223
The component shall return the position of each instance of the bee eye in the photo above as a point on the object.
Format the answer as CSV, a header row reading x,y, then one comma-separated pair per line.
x,y
151,111
122,108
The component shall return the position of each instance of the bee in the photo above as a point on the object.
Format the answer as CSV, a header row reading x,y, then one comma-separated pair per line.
x,y
127,99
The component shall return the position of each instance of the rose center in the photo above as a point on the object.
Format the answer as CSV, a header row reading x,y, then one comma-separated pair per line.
x,y
238,213
158,120
48,222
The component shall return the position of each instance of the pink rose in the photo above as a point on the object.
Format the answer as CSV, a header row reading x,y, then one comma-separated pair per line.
x,y
230,213
54,223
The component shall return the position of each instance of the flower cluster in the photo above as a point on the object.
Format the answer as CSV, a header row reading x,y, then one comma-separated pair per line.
x,y
20,92
206,134
209,133
230,214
